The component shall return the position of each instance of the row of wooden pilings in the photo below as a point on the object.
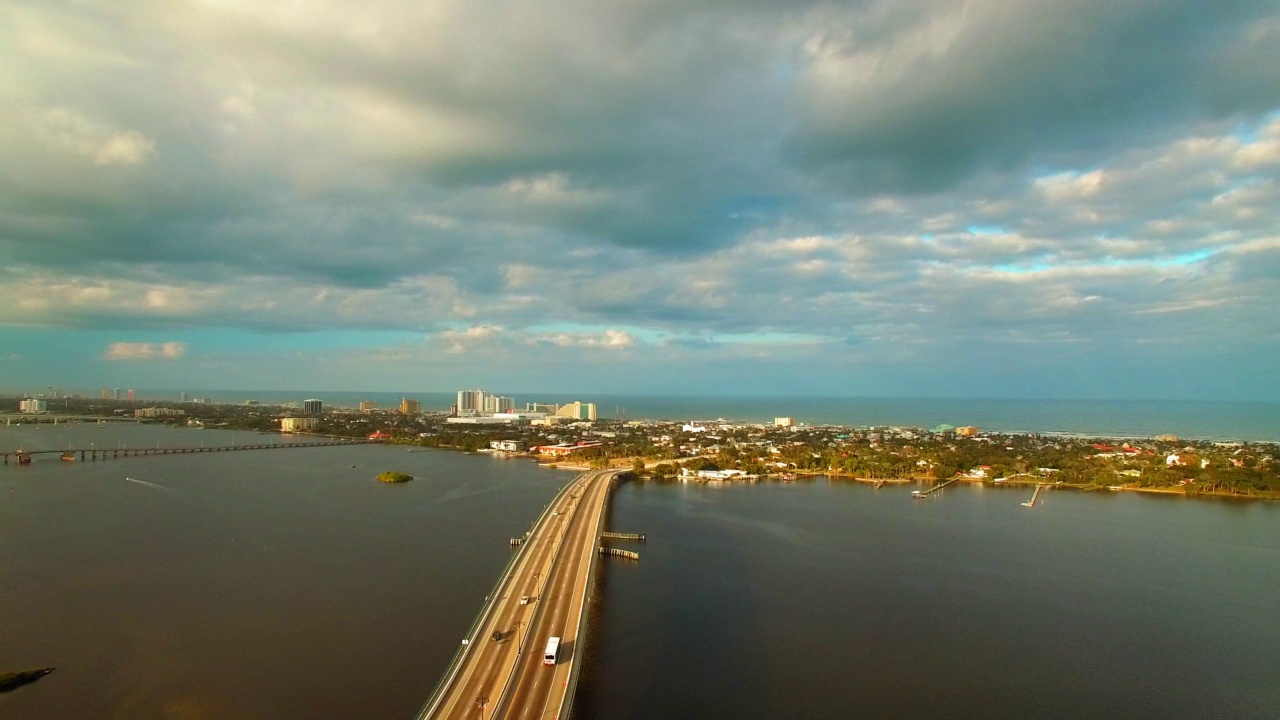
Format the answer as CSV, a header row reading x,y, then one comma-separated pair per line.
x,y
638,537
615,552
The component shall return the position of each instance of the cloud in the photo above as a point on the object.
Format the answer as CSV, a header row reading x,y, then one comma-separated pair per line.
x,y
127,148
71,131
655,177
460,341
145,351
609,339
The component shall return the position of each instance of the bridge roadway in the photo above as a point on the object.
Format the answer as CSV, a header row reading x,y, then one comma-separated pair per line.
x,y
507,678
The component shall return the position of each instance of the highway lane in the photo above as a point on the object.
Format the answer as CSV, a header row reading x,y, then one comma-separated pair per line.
x,y
538,691
489,664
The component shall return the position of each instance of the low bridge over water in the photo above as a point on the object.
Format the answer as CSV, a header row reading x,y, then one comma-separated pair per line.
x,y
97,453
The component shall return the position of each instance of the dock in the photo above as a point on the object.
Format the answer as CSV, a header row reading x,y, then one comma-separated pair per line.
x,y
917,494
1034,495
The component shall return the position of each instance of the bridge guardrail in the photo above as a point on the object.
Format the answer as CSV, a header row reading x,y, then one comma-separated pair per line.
x,y
579,645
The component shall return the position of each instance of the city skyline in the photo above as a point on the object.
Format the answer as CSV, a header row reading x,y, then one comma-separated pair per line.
x,y
926,199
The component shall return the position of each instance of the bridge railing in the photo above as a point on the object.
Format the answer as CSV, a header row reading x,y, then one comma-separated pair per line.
x,y
579,645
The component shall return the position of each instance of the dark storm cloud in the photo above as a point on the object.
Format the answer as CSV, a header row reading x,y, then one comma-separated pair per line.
x,y
968,86
670,118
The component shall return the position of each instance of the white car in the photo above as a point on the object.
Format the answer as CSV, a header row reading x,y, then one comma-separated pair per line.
x,y
524,599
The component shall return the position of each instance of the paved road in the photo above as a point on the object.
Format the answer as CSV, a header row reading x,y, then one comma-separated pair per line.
x,y
552,573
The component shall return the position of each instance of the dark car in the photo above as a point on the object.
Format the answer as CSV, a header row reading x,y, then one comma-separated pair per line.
x,y
497,635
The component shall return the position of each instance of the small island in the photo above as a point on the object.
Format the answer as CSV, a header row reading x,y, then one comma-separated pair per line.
x,y
391,476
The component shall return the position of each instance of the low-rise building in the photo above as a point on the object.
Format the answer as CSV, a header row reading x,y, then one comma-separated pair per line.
x,y
298,424
155,412
33,405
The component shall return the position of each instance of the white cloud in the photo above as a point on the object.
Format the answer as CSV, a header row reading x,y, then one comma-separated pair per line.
x,y
145,351
460,341
609,340
74,132
125,148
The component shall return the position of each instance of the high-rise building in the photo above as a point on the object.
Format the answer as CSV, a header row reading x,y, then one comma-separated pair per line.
x,y
368,406
548,408
106,393
131,396
312,407
578,411
470,402
115,394
475,402
784,422
410,407
185,397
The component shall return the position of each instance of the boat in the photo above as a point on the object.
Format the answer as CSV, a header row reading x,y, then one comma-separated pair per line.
x,y
24,457
68,456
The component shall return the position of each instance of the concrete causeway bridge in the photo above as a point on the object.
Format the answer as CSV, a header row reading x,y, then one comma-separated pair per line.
x,y
499,670
97,453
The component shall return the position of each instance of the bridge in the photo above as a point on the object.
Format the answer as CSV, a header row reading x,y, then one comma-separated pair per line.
x,y
499,671
97,453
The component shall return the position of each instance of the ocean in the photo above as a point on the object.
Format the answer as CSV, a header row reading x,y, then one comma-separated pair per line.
x,y
1253,421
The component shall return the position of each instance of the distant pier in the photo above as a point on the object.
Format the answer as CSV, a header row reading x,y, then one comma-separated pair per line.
x,y
1034,495
926,493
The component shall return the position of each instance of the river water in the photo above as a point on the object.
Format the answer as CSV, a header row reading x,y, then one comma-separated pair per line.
x,y
290,584
836,600
252,584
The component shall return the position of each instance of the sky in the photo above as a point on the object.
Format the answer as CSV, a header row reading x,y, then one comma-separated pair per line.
x,y
986,198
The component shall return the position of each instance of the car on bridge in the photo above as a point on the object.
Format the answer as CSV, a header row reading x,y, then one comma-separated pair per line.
x,y
524,599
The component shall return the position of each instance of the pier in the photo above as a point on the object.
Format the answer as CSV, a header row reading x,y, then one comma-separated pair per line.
x,y
1034,495
926,493
637,537
96,453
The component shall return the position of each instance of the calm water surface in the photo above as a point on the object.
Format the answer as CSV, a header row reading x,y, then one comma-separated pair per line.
x,y
289,584
836,600
256,584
